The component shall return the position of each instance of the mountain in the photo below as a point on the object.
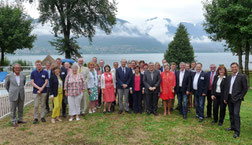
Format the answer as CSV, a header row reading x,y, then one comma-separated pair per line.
x,y
149,36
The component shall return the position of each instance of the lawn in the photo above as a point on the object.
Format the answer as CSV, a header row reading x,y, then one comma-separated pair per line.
x,y
128,129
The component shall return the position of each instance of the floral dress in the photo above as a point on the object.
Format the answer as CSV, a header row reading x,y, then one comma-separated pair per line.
x,y
93,96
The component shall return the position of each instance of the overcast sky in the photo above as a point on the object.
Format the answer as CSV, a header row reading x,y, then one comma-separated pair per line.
x,y
134,10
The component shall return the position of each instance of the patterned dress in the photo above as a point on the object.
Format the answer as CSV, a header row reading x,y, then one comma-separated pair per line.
x,y
93,96
108,91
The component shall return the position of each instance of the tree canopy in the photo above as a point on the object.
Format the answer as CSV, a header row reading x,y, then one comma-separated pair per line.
x,y
15,30
180,49
71,19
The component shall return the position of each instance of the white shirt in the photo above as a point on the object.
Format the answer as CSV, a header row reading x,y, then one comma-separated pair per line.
x,y
17,79
60,83
181,77
218,88
195,80
232,83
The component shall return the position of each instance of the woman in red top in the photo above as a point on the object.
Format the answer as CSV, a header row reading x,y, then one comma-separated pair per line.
x,y
168,84
108,86
137,90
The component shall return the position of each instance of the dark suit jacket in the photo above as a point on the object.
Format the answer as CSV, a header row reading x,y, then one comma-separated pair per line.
x,y
54,85
223,86
148,82
202,83
122,78
132,84
240,88
161,68
186,83
208,76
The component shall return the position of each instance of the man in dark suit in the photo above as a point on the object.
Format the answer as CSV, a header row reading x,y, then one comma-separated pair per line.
x,y
133,64
162,67
237,87
63,75
199,88
210,78
123,79
151,82
183,80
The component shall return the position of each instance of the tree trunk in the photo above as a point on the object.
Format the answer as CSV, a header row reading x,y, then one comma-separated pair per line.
x,y
247,60
239,52
67,51
2,56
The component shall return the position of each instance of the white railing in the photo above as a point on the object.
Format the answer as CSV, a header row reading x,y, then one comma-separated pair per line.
x,y
5,103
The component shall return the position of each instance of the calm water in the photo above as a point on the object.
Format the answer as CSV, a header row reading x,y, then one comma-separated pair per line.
x,y
205,58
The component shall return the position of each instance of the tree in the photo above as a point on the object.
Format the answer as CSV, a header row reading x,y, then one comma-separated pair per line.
x,y
231,21
75,18
180,49
15,30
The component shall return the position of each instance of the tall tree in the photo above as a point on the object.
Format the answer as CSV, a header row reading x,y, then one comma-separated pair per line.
x,y
15,30
180,49
74,18
231,21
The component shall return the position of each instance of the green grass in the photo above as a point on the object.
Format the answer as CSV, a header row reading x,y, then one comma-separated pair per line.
x,y
128,129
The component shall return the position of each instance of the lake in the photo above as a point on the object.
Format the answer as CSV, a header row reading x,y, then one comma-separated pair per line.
x,y
205,58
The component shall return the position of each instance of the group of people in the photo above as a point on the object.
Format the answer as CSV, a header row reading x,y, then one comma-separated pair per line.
x,y
135,83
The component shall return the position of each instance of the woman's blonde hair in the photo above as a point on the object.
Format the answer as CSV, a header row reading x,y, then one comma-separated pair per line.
x,y
90,63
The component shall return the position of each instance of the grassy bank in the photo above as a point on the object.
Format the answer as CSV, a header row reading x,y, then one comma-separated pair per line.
x,y
128,129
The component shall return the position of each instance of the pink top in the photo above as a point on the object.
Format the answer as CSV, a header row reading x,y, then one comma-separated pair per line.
x,y
74,84
137,83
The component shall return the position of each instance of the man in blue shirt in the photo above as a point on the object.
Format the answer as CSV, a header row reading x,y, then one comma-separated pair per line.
x,y
39,80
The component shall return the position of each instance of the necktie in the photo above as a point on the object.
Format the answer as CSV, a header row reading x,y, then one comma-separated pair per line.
x,y
80,70
211,81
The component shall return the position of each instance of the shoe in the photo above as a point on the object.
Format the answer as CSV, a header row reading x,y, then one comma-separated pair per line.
x,y
77,118
14,124
201,120
148,113
59,119
71,119
35,121
155,113
236,135
21,122
128,112
120,112
220,124
104,112
184,116
229,129
64,115
83,114
197,116
135,112
99,106
43,120
110,111
53,121
90,112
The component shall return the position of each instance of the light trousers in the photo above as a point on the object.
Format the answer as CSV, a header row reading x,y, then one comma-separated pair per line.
x,y
84,102
57,101
39,99
74,103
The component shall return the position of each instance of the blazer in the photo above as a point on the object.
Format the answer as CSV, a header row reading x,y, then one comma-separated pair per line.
x,y
54,82
148,82
122,78
202,83
222,85
12,87
240,88
103,82
132,84
186,83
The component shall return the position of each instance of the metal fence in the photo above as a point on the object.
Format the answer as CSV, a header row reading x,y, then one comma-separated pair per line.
x,y
5,103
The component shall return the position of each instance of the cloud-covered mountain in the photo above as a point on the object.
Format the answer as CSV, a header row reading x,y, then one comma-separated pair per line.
x,y
148,36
